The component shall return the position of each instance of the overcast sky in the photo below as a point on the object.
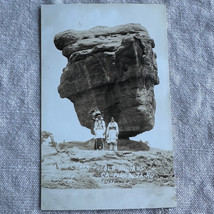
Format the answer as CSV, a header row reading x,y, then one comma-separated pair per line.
x,y
58,115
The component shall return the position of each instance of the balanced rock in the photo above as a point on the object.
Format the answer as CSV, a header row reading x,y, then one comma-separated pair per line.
x,y
113,69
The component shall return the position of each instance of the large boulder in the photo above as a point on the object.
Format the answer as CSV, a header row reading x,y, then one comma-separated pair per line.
x,y
113,69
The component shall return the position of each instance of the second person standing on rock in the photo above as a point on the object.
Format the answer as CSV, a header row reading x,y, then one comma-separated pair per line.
x,y
112,135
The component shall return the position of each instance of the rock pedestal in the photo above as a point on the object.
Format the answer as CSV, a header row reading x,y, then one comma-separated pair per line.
x,y
113,69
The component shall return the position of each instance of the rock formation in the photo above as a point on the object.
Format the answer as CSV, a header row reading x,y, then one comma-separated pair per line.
x,y
113,69
76,168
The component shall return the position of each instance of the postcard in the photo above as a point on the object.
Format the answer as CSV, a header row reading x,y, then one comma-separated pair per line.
x,y
106,138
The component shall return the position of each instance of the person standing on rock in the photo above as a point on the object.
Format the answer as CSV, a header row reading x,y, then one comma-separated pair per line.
x,y
99,130
112,135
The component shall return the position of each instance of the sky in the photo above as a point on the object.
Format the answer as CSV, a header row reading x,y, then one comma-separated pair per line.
x,y
58,115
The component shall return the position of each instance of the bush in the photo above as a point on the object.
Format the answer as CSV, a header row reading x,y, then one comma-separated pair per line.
x,y
45,135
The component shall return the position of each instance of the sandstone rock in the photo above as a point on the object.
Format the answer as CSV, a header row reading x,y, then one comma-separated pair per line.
x,y
82,169
131,145
113,69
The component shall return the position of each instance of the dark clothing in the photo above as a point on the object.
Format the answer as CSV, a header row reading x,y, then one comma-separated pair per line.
x,y
99,144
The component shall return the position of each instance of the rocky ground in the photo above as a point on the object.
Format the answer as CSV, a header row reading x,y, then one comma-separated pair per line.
x,y
76,165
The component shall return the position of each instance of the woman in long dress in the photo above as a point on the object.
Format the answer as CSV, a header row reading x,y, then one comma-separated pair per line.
x,y
112,134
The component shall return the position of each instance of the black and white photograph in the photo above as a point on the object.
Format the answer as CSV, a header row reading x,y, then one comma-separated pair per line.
x,y
106,137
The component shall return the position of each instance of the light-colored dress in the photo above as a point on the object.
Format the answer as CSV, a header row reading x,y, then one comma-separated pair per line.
x,y
112,132
99,129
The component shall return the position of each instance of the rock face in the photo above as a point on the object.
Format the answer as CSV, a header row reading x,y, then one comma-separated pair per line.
x,y
73,167
113,69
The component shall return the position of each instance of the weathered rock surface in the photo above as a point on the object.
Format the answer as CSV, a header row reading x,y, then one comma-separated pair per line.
x,y
113,69
73,167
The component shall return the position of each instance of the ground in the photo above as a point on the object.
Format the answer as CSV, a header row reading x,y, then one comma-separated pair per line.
x,y
76,166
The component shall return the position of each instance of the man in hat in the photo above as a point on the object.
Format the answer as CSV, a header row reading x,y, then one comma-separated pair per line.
x,y
99,130
112,135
